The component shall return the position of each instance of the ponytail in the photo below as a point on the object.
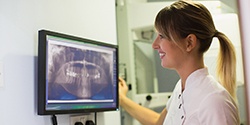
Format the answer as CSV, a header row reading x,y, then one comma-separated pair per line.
x,y
226,64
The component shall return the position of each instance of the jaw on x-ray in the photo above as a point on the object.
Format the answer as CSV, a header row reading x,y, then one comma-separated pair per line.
x,y
78,73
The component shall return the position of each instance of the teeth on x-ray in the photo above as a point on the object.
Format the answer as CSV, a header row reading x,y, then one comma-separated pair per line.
x,y
89,71
97,76
71,73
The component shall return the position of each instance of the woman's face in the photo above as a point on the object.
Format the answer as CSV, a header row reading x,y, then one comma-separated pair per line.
x,y
170,53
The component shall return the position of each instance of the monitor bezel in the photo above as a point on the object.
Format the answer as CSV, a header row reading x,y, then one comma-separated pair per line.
x,y
42,56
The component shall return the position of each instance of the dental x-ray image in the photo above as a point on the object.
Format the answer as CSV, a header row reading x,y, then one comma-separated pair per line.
x,y
79,73
76,75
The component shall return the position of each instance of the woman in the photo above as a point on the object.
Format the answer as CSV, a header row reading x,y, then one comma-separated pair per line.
x,y
185,31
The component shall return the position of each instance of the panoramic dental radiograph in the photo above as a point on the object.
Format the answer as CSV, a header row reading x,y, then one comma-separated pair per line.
x,y
76,73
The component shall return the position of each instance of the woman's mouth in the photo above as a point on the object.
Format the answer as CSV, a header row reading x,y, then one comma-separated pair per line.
x,y
162,55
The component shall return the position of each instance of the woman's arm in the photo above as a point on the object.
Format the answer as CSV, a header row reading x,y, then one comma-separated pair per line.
x,y
144,115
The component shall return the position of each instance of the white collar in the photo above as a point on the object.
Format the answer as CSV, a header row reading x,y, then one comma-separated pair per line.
x,y
190,82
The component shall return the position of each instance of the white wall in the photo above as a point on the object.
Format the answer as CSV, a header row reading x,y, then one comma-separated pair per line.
x,y
20,21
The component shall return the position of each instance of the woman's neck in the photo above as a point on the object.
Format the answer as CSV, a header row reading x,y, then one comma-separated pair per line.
x,y
186,70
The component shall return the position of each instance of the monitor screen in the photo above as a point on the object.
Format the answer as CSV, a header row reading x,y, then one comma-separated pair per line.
x,y
76,75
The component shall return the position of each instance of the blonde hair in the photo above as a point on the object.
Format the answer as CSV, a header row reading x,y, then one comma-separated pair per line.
x,y
226,64
186,17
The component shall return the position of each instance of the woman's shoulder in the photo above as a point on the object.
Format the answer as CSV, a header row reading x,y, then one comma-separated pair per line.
x,y
220,106
217,97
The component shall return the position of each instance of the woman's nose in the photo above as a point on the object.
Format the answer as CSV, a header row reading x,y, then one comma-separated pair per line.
x,y
155,44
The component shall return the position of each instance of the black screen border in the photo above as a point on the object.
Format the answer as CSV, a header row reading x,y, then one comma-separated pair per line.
x,y
42,56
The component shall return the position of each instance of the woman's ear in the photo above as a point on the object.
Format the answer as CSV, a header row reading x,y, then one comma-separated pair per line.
x,y
191,42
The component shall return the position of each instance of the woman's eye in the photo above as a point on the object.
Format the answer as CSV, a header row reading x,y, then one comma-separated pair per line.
x,y
161,36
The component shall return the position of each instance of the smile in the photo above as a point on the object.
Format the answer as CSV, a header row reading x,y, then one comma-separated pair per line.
x,y
162,55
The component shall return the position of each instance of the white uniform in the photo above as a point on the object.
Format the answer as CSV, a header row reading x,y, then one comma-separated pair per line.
x,y
203,102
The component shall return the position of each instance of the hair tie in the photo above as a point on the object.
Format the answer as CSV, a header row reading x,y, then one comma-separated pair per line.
x,y
216,33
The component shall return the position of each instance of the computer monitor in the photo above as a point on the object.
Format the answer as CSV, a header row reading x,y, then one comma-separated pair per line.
x,y
76,75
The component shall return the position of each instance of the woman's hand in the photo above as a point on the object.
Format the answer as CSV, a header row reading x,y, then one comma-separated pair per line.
x,y
123,89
